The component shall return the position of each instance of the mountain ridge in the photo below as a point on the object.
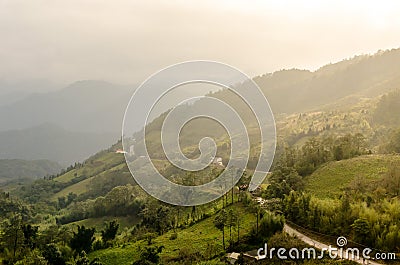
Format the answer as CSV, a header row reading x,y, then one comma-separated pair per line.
x,y
51,142
12,170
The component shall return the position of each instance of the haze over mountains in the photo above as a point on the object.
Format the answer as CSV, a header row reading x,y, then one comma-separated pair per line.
x,y
66,125
11,92
291,91
16,169
72,123
51,142
85,106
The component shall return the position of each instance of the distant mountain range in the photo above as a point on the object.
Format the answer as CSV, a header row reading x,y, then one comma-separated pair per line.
x,y
11,92
70,124
52,142
64,126
98,106
85,106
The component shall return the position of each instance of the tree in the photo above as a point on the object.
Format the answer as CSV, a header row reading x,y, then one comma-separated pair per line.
x,y
62,202
338,153
257,209
110,231
362,231
30,235
219,222
391,180
82,259
149,256
71,197
53,255
270,224
158,217
12,236
231,222
238,221
83,239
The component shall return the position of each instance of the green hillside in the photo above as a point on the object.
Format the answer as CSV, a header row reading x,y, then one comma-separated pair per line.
x,y
331,179
334,174
295,129
86,184
96,164
195,240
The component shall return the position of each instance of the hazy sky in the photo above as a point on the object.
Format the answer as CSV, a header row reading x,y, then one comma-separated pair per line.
x,y
126,41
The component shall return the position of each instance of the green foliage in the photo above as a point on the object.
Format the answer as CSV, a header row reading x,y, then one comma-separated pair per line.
x,y
157,217
295,163
82,259
12,236
94,165
53,255
282,181
149,256
10,205
202,235
110,231
362,228
82,239
316,152
173,236
349,198
220,222
270,224
30,235
283,240
120,201
375,225
33,257
55,233
40,190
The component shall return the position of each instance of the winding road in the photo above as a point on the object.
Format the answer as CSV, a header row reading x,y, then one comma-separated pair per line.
x,y
319,245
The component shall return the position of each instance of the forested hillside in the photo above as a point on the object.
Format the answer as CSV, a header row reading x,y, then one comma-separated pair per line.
x,y
336,172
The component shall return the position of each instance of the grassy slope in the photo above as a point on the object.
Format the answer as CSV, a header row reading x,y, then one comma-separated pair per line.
x,y
93,166
330,179
194,238
83,186
340,120
77,188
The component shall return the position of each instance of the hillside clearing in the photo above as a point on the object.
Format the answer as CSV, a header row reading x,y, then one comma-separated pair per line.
x,y
330,179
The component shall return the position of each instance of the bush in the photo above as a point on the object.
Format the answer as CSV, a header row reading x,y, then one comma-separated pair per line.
x,y
173,236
